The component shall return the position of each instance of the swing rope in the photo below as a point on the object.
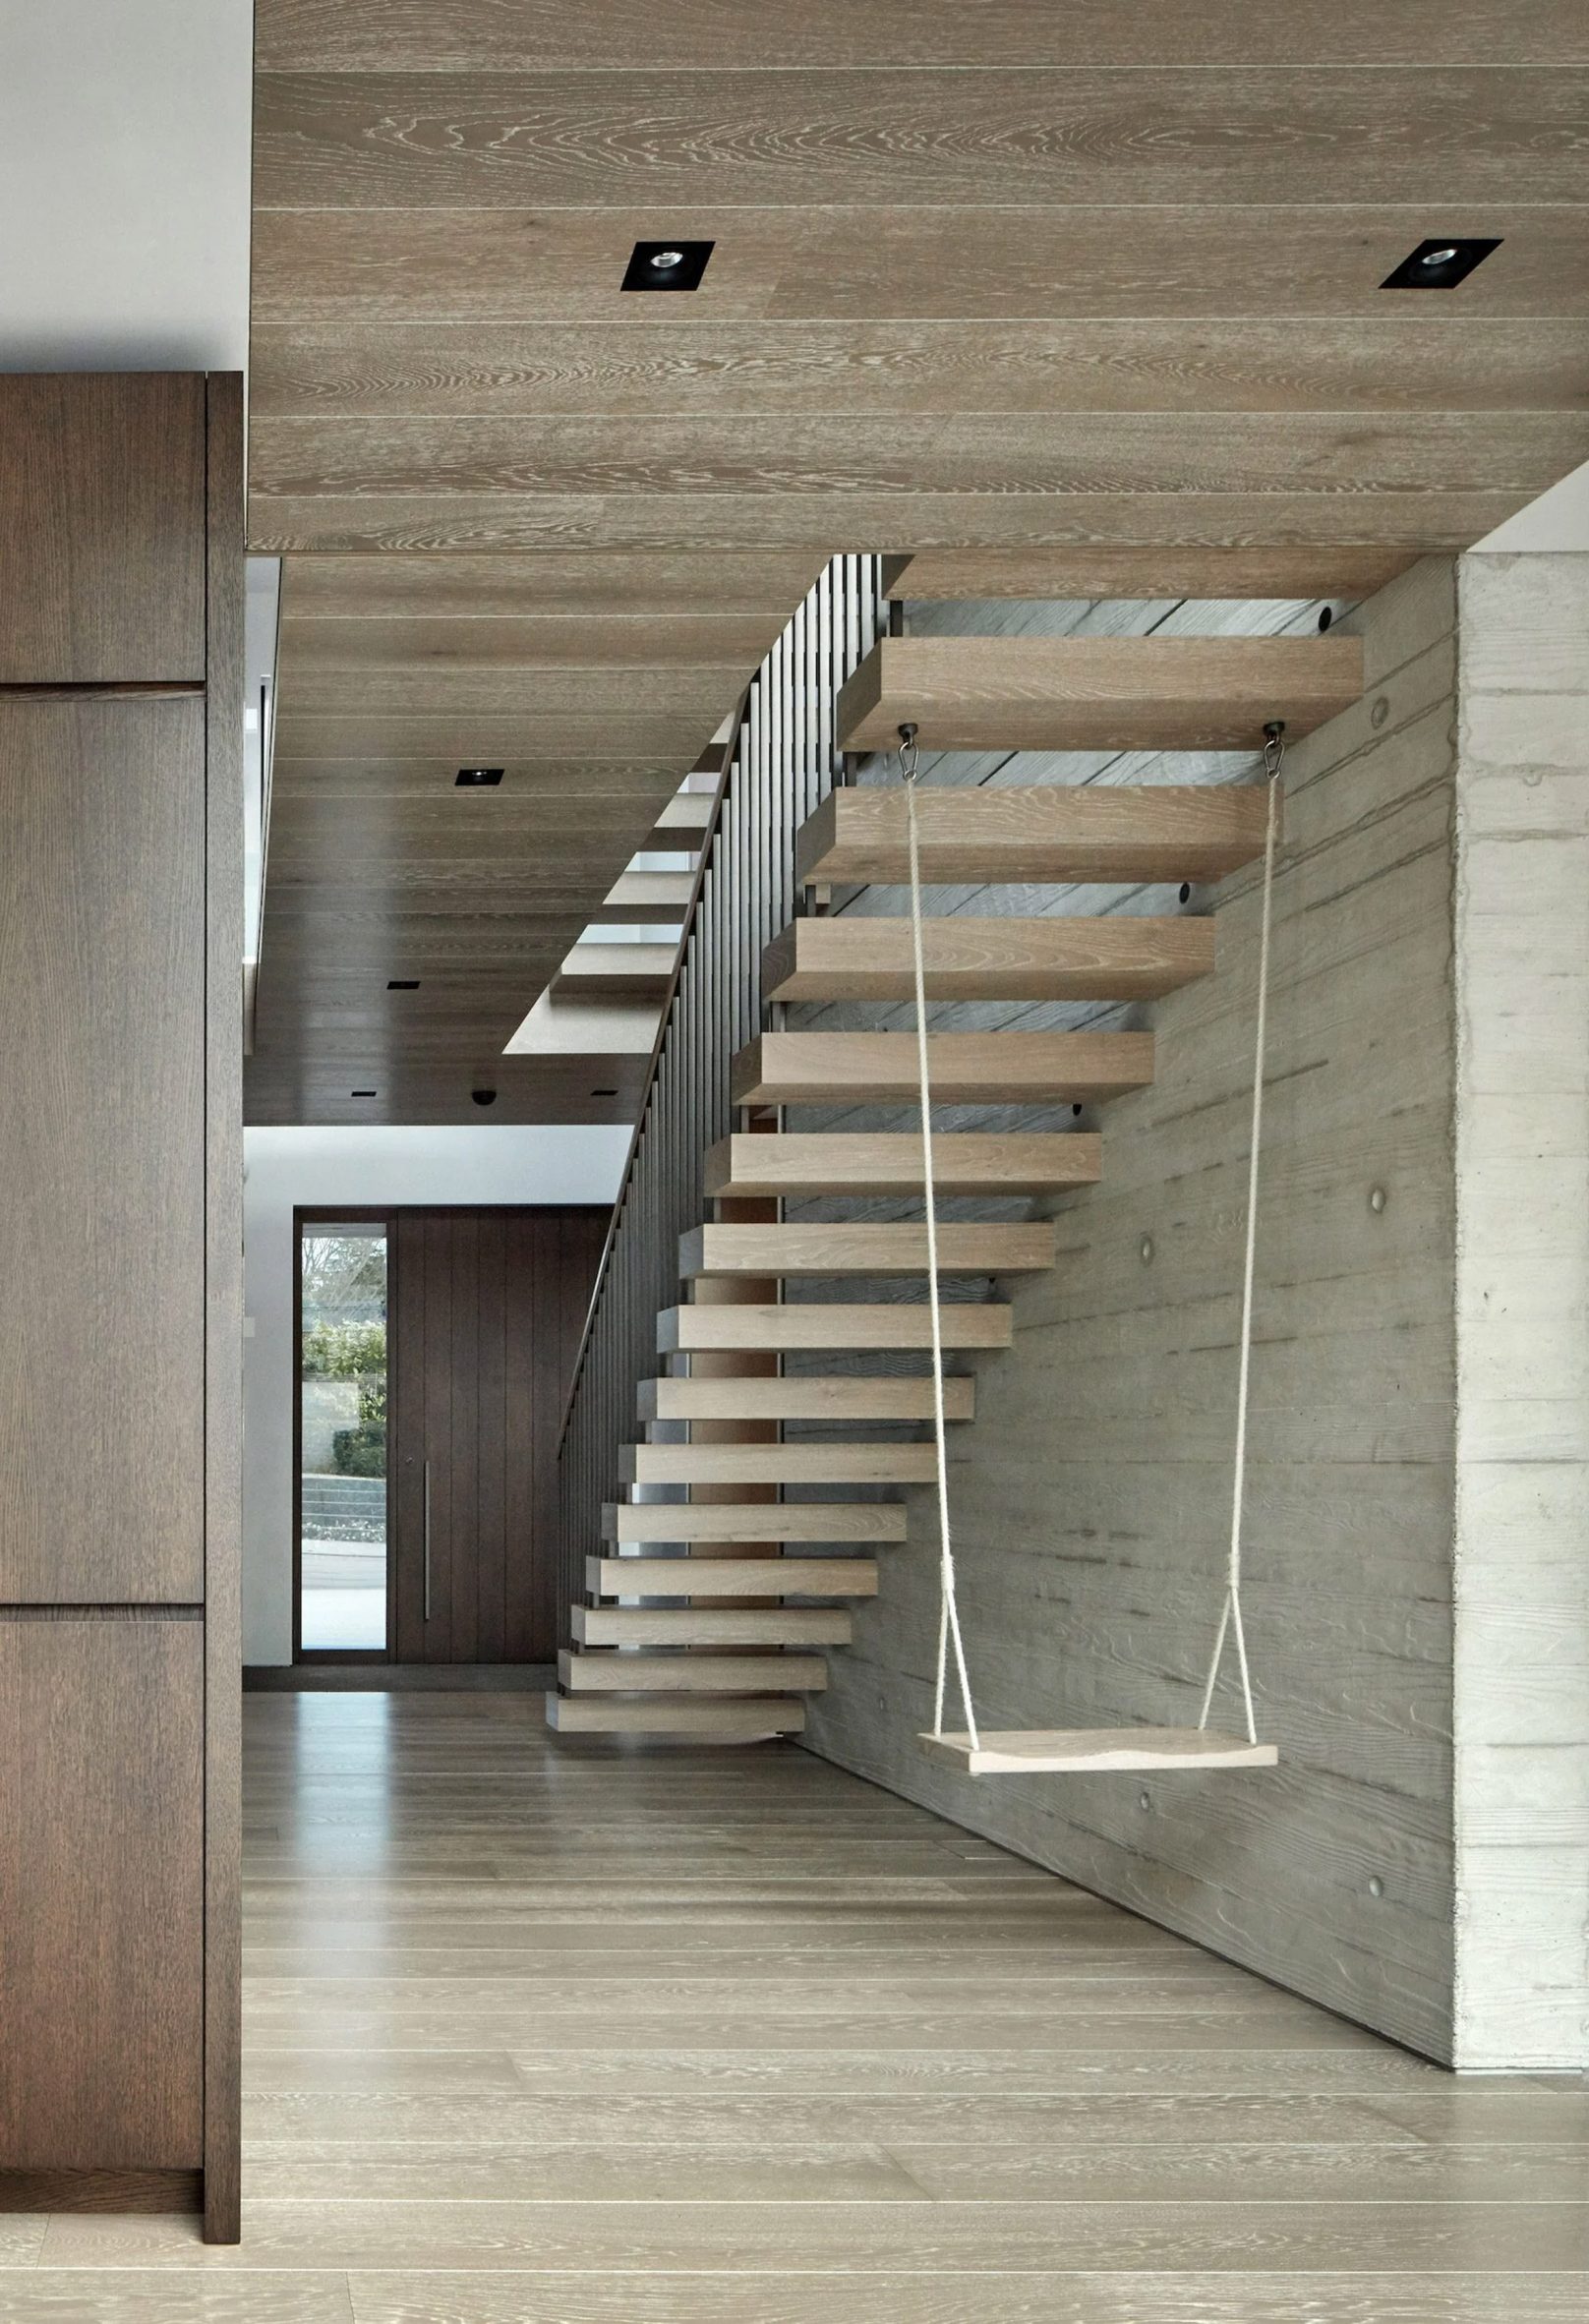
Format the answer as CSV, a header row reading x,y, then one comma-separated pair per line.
x,y
1230,1618
948,1604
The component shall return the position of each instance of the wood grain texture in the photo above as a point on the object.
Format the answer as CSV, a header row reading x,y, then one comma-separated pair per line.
x,y
1219,573
997,136
808,1398
542,37
732,1577
848,1248
101,528
1097,693
889,1162
606,1672
101,1894
1387,363
831,1069
679,1626
753,1521
777,1464
828,1323
102,1141
966,959
222,1306
744,1719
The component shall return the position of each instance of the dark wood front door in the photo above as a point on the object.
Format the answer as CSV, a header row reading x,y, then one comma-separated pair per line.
x,y
487,1310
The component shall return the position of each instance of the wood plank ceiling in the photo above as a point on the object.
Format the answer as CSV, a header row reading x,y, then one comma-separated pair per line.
x,y
989,274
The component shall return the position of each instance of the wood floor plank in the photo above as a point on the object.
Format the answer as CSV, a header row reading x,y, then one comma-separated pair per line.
x,y
541,2032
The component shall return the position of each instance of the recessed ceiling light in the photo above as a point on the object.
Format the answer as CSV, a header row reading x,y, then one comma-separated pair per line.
x,y
1442,262
478,777
666,266
362,1093
402,984
603,1093
484,1097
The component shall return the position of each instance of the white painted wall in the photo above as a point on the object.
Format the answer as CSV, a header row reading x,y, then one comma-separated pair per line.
x,y
125,132
283,1168
1521,1655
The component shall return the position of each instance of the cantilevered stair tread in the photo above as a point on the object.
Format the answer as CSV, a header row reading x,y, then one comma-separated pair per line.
x,y
709,1625
889,1162
1089,574
1033,832
732,1577
737,1720
616,971
640,897
831,1323
778,1463
1019,1248
966,1068
843,1397
1097,693
604,1671
1097,1751
753,1521
966,959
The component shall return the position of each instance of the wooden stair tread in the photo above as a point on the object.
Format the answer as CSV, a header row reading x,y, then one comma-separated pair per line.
x,y
752,1521
641,896
616,971
839,1397
965,958
1097,693
604,1671
825,1323
738,1719
1089,574
966,1068
889,1162
732,1577
1035,833
1020,1248
710,1625
778,1463
1097,1751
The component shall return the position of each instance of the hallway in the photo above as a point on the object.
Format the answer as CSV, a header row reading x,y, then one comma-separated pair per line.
x,y
541,2033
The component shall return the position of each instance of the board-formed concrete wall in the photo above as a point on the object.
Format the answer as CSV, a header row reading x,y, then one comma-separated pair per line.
x,y
1522,1509
1091,1497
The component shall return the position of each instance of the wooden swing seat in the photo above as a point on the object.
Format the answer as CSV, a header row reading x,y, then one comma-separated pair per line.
x,y
1097,1751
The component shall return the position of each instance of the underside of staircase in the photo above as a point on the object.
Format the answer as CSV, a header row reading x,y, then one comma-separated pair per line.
x,y
724,1570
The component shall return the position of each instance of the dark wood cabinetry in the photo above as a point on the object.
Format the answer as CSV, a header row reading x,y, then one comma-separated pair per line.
x,y
121,600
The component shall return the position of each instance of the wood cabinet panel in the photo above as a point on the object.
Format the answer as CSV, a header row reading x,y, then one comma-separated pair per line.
x,y
101,528
101,1901
102,1149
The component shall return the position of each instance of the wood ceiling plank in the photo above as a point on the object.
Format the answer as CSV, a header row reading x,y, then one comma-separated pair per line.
x,y
1004,453
1388,362
670,691
550,35
539,642
428,266
1303,574
490,738
1164,135
528,1090
1423,523
591,781
638,585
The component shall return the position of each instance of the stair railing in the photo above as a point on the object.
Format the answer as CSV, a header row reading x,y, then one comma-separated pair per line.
x,y
784,761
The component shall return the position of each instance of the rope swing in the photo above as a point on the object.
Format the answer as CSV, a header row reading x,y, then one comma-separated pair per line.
x,y
1095,1750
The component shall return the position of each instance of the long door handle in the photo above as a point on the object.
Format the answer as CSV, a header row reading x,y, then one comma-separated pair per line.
x,y
427,1540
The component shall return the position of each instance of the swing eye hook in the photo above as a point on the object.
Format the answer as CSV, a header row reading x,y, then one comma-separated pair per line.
x,y
1274,747
909,754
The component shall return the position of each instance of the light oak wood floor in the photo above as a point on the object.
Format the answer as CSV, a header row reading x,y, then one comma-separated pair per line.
x,y
544,2032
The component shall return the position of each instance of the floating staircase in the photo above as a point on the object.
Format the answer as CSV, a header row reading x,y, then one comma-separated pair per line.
x,y
692,1627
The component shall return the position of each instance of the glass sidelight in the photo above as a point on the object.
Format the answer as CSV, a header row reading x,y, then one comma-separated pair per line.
x,y
342,1464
